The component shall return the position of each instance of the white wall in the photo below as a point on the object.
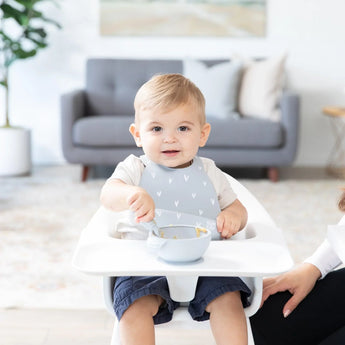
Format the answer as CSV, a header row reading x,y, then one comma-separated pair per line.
x,y
311,31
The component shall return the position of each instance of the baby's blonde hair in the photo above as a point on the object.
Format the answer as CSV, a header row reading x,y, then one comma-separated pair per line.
x,y
166,91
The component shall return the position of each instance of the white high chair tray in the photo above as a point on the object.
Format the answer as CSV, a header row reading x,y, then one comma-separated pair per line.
x,y
336,237
260,252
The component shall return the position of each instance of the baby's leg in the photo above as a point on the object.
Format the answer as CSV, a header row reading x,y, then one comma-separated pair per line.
x,y
228,320
136,324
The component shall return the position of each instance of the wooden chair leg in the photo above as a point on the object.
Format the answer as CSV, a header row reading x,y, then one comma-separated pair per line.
x,y
273,174
85,172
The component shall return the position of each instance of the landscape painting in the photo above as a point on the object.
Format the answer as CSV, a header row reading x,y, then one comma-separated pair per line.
x,y
233,18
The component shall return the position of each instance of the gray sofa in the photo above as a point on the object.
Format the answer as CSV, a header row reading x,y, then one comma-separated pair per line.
x,y
95,121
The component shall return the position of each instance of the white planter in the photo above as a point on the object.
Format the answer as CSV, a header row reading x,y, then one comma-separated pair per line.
x,y
15,151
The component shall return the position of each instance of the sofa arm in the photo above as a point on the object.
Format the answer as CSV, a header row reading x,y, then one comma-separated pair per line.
x,y
72,108
290,113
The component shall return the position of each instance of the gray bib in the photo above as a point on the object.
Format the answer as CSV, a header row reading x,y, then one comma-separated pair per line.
x,y
183,196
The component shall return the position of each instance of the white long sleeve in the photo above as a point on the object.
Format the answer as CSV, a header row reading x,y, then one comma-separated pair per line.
x,y
325,258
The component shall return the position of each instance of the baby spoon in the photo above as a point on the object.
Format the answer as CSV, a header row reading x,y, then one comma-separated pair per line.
x,y
152,226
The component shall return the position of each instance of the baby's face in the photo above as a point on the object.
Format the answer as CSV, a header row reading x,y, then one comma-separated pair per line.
x,y
171,138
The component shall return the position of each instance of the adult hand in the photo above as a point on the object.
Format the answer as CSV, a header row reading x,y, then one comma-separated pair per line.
x,y
299,282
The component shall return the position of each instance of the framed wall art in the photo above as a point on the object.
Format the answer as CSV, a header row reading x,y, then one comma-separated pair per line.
x,y
233,18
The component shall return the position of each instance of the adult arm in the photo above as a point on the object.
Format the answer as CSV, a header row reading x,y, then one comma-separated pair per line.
x,y
301,280
324,258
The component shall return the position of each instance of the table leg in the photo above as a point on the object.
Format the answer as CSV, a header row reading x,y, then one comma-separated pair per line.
x,y
336,161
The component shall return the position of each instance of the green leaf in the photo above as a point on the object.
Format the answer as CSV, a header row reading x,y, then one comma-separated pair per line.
x,y
40,44
51,21
22,17
11,12
5,37
34,14
23,54
36,32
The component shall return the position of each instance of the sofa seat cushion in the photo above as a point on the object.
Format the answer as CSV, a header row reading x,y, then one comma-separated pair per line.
x,y
245,132
103,131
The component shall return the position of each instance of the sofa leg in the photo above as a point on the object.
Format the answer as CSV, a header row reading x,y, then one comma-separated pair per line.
x,y
84,173
273,174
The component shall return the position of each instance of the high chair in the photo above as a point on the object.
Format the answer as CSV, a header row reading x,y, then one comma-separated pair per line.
x,y
258,250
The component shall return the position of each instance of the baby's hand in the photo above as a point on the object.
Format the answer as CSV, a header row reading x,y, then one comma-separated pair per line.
x,y
143,206
228,223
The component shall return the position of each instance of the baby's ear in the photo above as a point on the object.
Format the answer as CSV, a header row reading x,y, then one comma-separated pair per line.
x,y
205,132
136,134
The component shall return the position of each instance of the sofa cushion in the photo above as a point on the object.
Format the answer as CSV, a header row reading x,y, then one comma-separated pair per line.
x,y
261,87
103,131
111,84
218,83
245,132
110,131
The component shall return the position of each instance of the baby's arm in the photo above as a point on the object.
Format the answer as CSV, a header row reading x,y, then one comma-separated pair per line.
x,y
117,196
232,219
233,216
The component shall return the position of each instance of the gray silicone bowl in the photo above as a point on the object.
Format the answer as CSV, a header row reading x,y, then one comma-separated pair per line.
x,y
179,243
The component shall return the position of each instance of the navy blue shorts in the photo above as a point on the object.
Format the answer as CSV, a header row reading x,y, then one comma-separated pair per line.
x,y
129,289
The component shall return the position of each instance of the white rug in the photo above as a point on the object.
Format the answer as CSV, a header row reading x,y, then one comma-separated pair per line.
x,y
42,216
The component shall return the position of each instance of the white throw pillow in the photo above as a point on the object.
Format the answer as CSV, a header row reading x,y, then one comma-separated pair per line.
x,y
218,83
261,88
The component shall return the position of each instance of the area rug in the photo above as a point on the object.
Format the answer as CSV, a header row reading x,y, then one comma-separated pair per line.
x,y
41,217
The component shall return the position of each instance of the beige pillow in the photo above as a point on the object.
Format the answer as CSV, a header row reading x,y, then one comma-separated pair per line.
x,y
261,88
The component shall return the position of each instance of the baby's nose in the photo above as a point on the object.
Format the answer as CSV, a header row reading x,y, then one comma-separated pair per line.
x,y
169,137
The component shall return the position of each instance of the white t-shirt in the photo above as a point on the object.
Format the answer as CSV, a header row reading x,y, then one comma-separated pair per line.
x,y
131,169
325,258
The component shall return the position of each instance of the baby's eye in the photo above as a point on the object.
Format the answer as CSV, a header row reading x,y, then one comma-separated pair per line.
x,y
183,128
156,129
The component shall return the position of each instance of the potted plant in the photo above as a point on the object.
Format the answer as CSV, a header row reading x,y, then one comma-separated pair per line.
x,y
22,35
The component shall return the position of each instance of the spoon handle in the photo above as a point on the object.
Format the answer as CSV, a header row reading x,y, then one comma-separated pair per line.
x,y
151,226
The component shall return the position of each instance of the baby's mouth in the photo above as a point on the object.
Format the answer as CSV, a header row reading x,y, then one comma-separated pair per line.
x,y
170,152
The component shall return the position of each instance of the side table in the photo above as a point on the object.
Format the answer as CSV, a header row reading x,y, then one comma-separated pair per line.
x,y
336,161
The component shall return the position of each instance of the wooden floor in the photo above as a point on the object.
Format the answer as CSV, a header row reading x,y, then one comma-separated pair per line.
x,y
55,327
77,327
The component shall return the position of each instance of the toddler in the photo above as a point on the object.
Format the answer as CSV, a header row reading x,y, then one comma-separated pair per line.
x,y
170,126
